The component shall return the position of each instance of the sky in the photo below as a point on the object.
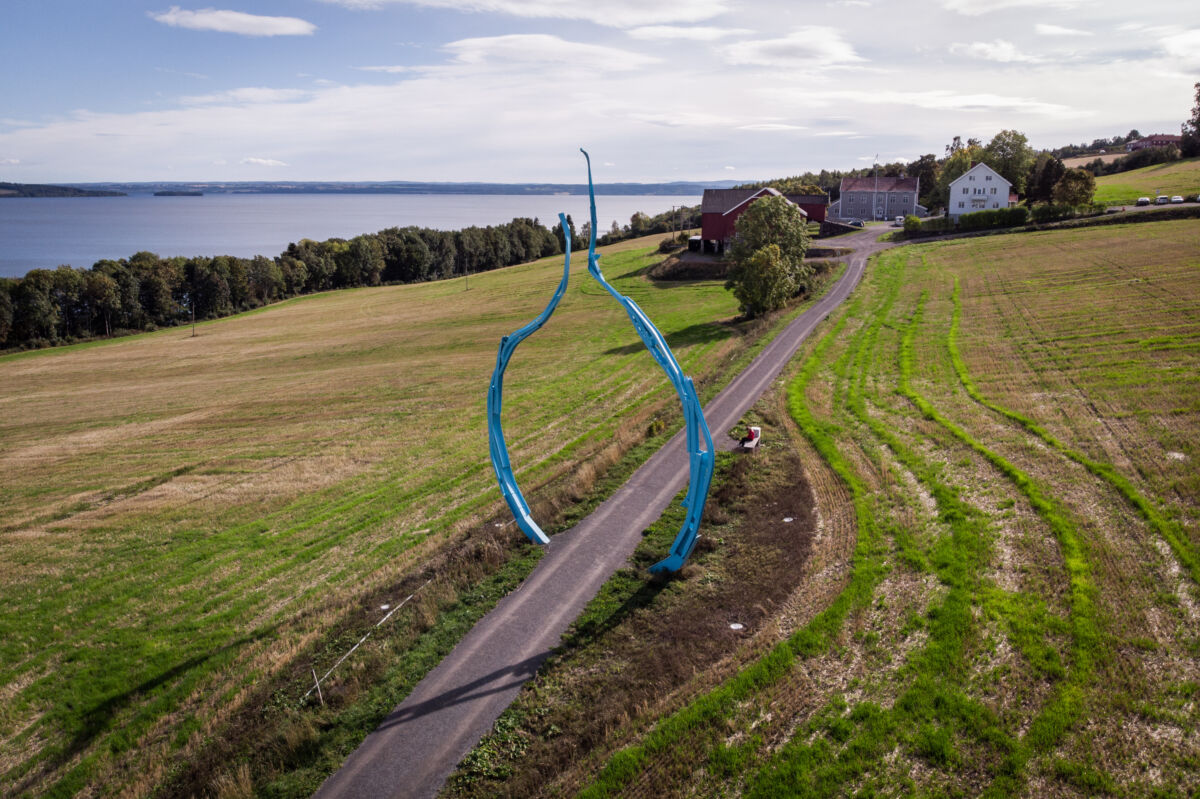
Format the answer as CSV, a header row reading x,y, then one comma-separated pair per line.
x,y
508,90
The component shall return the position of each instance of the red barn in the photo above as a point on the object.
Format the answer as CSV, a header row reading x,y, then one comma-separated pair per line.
x,y
815,205
720,209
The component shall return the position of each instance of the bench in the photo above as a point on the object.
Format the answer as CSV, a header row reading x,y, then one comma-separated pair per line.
x,y
751,441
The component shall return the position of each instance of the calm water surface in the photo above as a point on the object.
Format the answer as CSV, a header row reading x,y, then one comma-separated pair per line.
x,y
48,231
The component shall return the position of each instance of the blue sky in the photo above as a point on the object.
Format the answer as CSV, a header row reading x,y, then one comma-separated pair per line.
x,y
506,90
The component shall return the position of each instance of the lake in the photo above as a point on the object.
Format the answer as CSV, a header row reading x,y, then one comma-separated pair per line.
x,y
44,232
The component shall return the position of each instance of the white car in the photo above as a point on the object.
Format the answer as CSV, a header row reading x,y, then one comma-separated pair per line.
x,y
1143,201
1162,199
1176,199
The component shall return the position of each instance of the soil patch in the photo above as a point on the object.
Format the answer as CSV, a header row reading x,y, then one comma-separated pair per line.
x,y
665,636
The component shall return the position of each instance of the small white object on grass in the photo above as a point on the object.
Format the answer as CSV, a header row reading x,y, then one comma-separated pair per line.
x,y
737,625
384,607
787,518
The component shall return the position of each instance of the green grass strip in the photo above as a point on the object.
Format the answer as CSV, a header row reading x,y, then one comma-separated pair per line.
x,y
1066,706
818,635
839,746
1169,530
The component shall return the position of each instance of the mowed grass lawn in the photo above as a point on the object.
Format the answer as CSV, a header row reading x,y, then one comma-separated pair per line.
x,y
180,515
1016,420
1124,188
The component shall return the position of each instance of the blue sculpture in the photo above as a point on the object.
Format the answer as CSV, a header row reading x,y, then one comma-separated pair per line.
x,y
700,459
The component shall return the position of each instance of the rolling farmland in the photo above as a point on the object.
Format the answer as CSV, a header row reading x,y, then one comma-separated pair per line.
x,y
1000,592
1124,188
184,517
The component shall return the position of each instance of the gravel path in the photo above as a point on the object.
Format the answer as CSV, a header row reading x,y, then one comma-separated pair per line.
x,y
417,746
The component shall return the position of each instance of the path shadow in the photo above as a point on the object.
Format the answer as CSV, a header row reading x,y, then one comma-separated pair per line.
x,y
521,672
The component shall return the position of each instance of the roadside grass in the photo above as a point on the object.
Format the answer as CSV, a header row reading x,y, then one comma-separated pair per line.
x,y
183,516
1050,654
1124,188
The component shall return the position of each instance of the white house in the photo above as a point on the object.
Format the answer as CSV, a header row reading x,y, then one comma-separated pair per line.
x,y
980,188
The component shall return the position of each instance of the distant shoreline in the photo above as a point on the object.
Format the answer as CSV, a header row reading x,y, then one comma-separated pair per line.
x,y
189,188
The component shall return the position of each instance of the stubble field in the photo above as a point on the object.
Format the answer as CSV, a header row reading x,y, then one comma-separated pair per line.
x,y
1014,423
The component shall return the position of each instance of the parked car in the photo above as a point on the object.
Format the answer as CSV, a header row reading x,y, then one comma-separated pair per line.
x,y
899,222
1143,201
1177,199
857,223
1162,199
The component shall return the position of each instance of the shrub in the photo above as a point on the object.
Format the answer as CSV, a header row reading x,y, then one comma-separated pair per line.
x,y
994,218
912,224
1051,212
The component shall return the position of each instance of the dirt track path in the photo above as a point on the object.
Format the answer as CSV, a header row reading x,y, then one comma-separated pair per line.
x,y
418,745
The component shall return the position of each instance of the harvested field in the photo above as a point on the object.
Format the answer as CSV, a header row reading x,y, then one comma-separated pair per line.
x,y
186,519
1020,615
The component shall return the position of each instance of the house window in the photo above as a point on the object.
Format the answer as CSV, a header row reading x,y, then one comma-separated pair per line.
x,y
961,205
993,188
989,177
964,189
972,177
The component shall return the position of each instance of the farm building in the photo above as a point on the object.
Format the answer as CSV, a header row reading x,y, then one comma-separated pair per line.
x,y
877,198
720,209
980,188
1157,140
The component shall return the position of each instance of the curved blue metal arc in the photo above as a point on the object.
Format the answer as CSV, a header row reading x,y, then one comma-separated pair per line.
x,y
496,444
701,461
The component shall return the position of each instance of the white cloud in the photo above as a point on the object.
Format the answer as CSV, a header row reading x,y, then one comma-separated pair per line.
x,y
211,19
770,127
391,70
10,161
247,95
730,168
1057,30
849,4
812,47
942,100
999,50
1184,48
540,48
613,13
262,162
694,33
974,8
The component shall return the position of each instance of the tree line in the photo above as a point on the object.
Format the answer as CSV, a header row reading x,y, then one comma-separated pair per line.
x,y
146,291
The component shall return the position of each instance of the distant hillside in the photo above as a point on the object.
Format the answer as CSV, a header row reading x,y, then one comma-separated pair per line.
x,y
46,190
683,188
1175,177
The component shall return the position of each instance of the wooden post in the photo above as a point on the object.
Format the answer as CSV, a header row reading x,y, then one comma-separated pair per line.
x,y
317,683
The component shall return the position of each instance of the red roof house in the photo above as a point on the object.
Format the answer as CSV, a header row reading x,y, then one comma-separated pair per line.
x,y
720,209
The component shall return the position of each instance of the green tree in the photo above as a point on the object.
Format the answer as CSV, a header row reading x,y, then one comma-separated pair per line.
x,y
771,220
1189,147
1075,188
1043,176
102,297
925,169
1009,154
768,255
6,310
35,316
762,282
265,279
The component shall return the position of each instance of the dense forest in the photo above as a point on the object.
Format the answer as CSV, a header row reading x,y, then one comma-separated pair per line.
x,y
146,291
